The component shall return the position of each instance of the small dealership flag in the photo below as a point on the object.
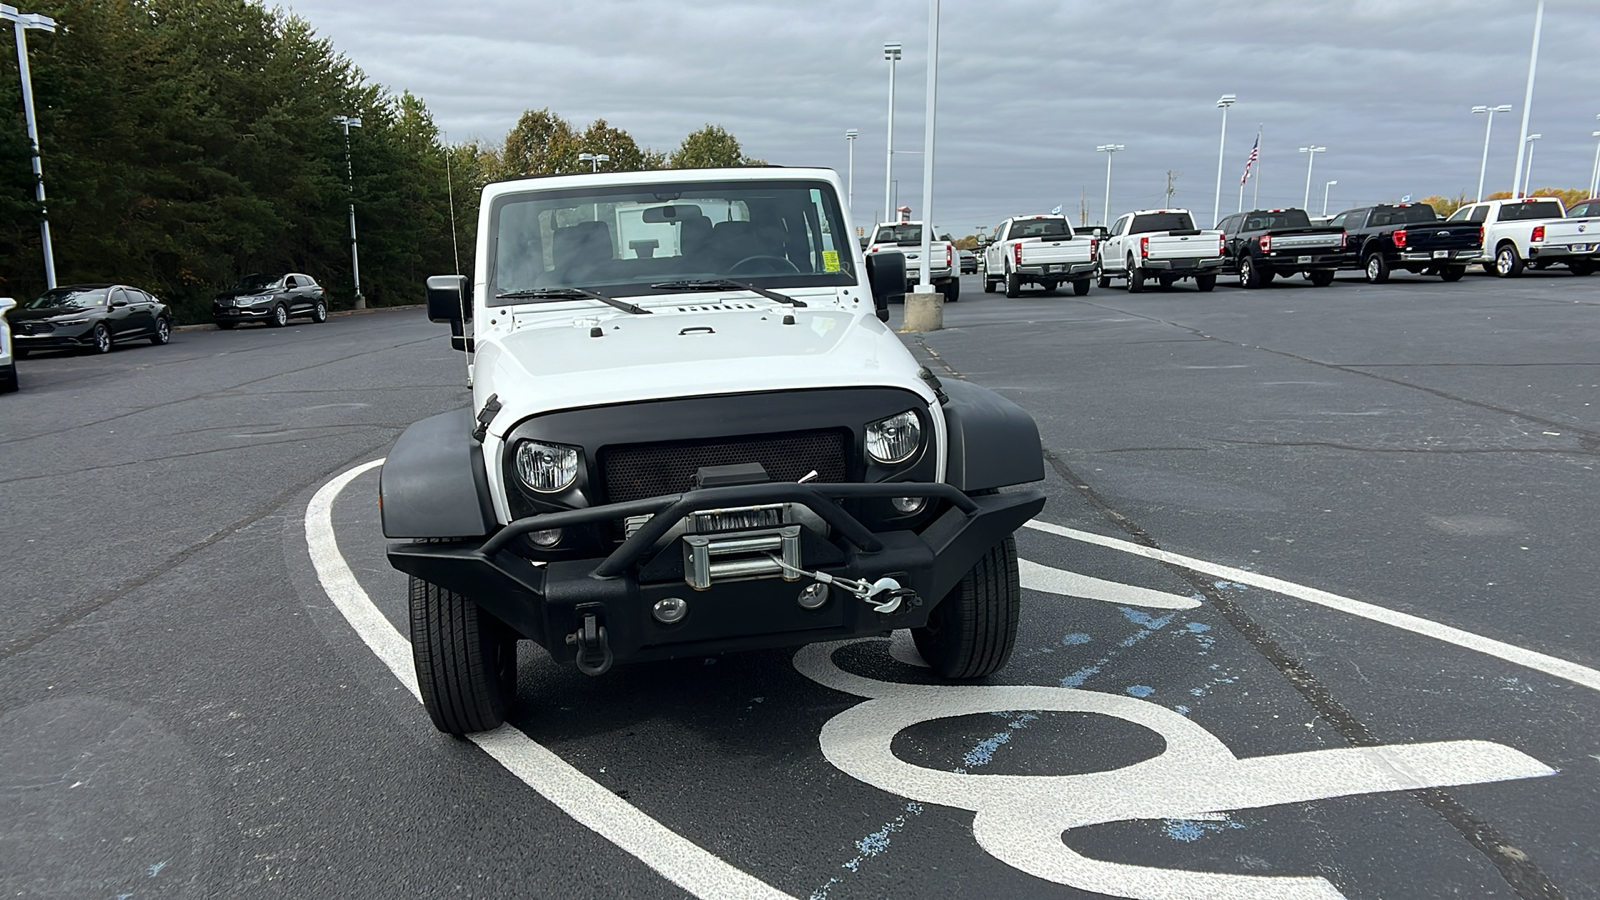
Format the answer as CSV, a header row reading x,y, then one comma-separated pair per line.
x,y
1406,199
1056,211
1255,152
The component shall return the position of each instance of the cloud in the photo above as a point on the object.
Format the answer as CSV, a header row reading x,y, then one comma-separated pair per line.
x,y
1026,89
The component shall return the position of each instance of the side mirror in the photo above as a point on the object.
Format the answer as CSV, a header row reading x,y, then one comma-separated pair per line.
x,y
117,304
886,275
448,298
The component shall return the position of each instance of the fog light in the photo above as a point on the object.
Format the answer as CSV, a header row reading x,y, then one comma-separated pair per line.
x,y
908,505
545,539
670,610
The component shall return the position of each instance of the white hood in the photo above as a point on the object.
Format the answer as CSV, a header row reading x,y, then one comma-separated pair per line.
x,y
734,346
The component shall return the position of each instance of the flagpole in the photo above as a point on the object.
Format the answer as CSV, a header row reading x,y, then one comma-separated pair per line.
x,y
1255,197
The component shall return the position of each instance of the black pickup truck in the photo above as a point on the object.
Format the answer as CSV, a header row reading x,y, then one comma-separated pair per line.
x,y
1409,236
1265,243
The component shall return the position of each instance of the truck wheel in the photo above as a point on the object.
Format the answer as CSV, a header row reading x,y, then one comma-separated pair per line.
x,y
1204,283
1377,268
466,660
1166,281
1321,277
1248,276
1507,262
951,291
1135,278
971,632
988,285
8,379
1104,283
1488,268
1581,267
1452,273
1048,286
1013,284
1080,287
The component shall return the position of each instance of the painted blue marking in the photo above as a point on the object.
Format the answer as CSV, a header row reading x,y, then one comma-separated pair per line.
x,y
1076,679
1191,830
1141,690
1075,639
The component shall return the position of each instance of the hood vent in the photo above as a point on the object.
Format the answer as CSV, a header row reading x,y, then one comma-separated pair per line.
x,y
716,307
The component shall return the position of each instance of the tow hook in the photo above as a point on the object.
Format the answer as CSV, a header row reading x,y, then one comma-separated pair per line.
x,y
884,595
590,641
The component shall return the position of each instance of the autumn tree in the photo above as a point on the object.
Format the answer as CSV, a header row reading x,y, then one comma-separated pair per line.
x,y
709,148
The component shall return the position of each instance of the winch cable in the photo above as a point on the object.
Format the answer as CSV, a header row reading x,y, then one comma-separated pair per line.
x,y
863,591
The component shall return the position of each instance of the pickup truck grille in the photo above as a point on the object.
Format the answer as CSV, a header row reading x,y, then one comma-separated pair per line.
x,y
636,471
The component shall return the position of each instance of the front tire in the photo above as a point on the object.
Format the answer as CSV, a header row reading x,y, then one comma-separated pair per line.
x,y
1205,283
466,660
1321,277
1452,273
280,316
102,338
1013,285
1080,287
988,285
163,333
1507,261
972,631
1377,269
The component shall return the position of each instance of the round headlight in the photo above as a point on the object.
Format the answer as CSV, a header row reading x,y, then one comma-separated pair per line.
x,y
895,439
547,468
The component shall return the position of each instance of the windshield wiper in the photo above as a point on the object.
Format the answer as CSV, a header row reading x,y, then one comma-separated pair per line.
x,y
572,293
728,284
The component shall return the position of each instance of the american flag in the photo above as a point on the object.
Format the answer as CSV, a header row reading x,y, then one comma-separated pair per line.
x,y
1255,151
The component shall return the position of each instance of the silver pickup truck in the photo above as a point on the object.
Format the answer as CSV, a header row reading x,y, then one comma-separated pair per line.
x,y
1041,250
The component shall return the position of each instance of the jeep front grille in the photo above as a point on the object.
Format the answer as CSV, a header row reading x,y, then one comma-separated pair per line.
x,y
636,471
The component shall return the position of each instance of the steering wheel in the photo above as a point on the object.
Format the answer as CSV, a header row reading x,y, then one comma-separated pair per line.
x,y
775,265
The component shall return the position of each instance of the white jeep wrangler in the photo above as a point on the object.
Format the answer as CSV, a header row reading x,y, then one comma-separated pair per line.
x,y
691,432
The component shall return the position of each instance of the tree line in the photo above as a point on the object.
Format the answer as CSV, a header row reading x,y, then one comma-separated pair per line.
x,y
186,143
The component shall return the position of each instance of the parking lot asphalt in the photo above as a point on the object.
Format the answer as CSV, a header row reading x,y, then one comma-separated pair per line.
x,y
1310,613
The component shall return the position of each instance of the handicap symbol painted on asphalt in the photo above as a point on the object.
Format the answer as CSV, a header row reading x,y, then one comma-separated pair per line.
x,y
1022,820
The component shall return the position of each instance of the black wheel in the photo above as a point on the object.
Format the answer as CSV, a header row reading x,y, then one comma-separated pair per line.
x,y
466,660
1104,282
1507,262
102,338
319,312
1249,275
1452,273
226,325
971,632
1048,286
1204,283
280,316
1013,284
163,333
1377,268
988,285
951,291
1321,277
1581,267
1081,287
1135,278
8,379
1166,281
1488,268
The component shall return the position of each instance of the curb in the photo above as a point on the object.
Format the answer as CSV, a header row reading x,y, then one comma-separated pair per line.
x,y
331,314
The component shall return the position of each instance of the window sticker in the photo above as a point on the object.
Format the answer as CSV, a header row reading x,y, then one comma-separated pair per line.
x,y
830,260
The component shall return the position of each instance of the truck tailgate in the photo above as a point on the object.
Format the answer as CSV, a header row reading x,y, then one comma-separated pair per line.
x,y
1442,236
1040,252
1182,246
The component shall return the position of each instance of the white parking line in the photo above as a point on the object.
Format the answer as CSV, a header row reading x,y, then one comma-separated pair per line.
x,y
1539,662
677,859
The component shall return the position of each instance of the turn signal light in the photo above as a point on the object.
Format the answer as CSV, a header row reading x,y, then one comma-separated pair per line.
x,y
1400,238
1094,249
1016,252
1266,243
1538,234
1144,248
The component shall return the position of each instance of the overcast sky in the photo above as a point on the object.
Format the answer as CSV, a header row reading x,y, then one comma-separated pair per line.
x,y
1027,89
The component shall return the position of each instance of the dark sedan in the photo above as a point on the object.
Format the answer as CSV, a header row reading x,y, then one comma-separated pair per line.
x,y
89,316
969,262
273,299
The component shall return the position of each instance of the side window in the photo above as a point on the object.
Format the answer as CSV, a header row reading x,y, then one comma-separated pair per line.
x,y
118,295
1461,214
1357,219
1479,214
290,282
1121,226
1337,221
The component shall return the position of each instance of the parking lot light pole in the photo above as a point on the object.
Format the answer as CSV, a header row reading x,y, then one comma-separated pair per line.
x,y
1594,179
1489,129
891,52
924,279
1527,174
22,22
1311,159
1325,189
349,122
850,190
1518,189
1109,150
1224,102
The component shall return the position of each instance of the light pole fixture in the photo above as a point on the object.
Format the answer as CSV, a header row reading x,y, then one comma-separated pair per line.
x,y
1223,103
349,122
1594,179
23,22
1517,189
1325,196
891,52
924,279
1109,150
594,160
1488,111
850,190
1311,158
1527,174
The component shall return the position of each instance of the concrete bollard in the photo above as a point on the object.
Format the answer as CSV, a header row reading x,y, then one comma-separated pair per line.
x,y
924,312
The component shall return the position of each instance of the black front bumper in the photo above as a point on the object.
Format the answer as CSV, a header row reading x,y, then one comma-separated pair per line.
x,y
546,602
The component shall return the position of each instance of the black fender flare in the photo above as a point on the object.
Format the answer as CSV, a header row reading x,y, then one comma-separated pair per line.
x,y
433,484
993,442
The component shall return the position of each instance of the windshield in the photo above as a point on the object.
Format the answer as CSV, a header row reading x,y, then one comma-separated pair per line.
x,y
70,298
1268,221
256,282
1538,209
620,240
908,233
1041,228
1161,222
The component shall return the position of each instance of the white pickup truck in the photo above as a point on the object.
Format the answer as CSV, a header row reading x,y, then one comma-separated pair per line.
x,y
1040,250
1532,231
906,238
1162,244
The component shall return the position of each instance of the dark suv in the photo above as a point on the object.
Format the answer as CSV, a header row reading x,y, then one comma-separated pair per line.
x,y
273,299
